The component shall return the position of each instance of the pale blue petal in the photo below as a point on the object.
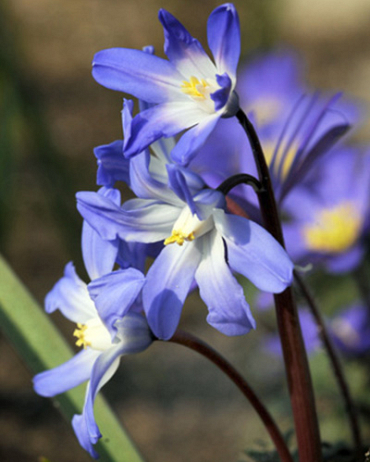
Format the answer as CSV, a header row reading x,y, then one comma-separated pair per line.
x,y
99,254
84,425
163,120
138,73
141,220
71,297
66,376
145,186
114,295
193,139
228,310
168,282
254,253
184,51
223,32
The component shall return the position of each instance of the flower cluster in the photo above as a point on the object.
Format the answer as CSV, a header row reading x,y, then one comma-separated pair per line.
x,y
197,237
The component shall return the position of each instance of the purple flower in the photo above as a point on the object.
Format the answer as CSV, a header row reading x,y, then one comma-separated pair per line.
x,y
330,217
107,328
188,91
202,242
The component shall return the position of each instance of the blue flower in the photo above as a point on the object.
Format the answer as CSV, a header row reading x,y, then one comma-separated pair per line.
x,y
188,91
107,327
202,242
329,216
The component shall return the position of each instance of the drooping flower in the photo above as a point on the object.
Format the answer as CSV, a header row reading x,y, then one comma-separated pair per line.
x,y
189,91
107,326
202,242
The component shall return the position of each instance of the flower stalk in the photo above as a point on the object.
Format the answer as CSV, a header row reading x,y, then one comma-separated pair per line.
x,y
335,363
295,356
195,344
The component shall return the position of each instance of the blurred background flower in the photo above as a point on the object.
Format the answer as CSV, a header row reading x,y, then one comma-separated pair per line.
x,y
52,115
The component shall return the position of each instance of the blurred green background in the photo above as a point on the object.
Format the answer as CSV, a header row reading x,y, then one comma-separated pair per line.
x,y
52,113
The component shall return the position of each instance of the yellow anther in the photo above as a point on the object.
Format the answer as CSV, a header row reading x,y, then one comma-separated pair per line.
x,y
335,230
80,334
179,238
194,87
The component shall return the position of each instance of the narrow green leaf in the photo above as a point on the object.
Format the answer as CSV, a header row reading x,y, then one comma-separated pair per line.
x,y
42,347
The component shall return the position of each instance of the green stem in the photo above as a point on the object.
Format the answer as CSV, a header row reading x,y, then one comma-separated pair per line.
x,y
195,344
294,352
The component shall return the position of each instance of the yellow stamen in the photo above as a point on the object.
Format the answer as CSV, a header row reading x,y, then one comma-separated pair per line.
x,y
335,230
179,238
194,87
80,334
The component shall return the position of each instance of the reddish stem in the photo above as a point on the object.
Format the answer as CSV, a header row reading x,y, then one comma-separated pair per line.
x,y
295,356
192,342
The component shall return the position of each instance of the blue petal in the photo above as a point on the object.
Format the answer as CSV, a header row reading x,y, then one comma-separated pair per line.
x,y
66,376
114,295
228,310
142,220
112,166
221,96
163,120
138,73
71,297
254,253
145,185
84,425
184,51
133,330
99,255
178,184
168,283
193,139
223,32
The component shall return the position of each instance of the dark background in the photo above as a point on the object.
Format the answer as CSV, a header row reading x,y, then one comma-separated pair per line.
x,y
52,113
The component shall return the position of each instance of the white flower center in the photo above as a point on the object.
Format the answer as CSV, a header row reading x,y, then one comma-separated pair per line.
x,y
188,227
200,92
93,334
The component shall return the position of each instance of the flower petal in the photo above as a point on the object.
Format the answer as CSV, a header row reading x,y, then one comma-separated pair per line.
x,y
254,253
228,310
114,295
145,185
223,30
66,376
138,73
84,425
99,255
184,51
193,139
112,165
142,220
71,297
168,283
163,120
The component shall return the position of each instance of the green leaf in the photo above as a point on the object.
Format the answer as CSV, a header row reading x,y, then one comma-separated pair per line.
x,y
42,347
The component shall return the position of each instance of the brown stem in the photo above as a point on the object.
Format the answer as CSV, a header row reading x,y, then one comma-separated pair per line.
x,y
294,352
192,342
343,386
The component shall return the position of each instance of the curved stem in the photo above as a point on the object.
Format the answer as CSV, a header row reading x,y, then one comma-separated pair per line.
x,y
192,342
295,356
341,380
241,178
